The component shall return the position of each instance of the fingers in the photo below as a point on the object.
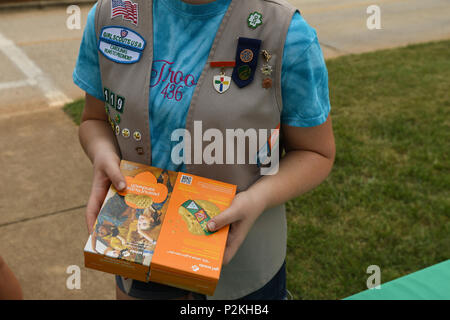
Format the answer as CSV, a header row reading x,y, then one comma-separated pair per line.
x,y
226,217
94,204
106,171
112,171
105,174
234,241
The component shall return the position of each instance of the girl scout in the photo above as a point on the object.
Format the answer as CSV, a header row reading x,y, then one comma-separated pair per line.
x,y
158,66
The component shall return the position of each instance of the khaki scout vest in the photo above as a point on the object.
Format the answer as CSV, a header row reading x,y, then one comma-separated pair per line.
x,y
264,250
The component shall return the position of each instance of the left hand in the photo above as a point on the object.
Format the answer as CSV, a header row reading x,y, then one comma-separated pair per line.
x,y
240,215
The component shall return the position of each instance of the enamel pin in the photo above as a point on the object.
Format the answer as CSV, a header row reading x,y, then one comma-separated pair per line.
x,y
267,70
254,20
222,82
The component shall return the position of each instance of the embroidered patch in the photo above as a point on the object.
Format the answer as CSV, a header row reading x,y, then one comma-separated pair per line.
x,y
255,19
120,104
113,100
125,8
246,55
121,45
244,72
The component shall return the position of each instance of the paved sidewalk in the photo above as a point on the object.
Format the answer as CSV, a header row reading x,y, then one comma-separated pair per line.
x,y
46,176
342,25
45,185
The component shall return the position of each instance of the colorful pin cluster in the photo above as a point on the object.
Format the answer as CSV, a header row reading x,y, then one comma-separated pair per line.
x,y
246,61
116,102
267,70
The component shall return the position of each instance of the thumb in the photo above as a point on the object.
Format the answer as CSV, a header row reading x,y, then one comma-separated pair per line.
x,y
112,170
226,217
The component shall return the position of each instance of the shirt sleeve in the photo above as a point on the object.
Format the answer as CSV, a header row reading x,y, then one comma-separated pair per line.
x,y
87,70
304,77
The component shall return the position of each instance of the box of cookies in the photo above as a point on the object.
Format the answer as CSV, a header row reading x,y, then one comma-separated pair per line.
x,y
155,230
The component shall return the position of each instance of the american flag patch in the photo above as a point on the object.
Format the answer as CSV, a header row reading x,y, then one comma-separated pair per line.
x,y
125,8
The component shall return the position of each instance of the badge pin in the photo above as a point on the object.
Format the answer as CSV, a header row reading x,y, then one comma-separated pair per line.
x,y
267,70
117,130
267,83
137,136
126,133
254,20
140,151
222,82
117,118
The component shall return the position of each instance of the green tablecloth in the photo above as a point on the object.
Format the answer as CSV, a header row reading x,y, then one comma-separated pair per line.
x,y
432,283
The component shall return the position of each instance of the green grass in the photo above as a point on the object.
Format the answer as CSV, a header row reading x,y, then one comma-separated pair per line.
x,y
74,110
387,201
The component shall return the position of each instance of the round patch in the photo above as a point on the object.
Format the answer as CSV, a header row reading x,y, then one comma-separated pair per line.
x,y
244,72
137,136
126,133
246,55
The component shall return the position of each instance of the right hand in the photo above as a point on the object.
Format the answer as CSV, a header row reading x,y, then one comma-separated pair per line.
x,y
106,171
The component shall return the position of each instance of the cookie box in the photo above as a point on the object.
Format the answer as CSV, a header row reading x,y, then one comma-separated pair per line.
x,y
156,230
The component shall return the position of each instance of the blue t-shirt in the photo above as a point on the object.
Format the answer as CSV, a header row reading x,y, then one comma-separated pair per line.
x,y
183,37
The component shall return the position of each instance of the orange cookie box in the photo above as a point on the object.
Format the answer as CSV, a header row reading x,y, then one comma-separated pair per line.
x,y
156,229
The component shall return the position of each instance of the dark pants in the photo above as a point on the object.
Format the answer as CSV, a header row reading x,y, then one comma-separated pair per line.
x,y
275,289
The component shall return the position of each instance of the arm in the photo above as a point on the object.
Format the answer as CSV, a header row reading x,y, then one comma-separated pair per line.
x,y
9,286
100,145
309,158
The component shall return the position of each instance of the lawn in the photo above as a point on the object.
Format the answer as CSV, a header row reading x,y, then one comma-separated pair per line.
x,y
387,201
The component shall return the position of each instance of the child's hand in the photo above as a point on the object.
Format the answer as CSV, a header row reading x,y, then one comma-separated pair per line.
x,y
242,213
106,171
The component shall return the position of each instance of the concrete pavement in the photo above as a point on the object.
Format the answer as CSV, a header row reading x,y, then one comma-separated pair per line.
x,y
45,185
342,25
45,174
